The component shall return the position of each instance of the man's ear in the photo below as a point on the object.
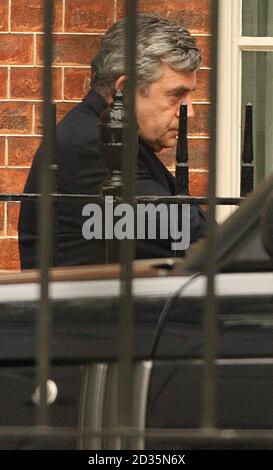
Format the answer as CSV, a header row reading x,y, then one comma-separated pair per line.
x,y
119,85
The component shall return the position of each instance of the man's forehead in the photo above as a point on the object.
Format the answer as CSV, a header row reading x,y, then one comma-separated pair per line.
x,y
178,81
181,88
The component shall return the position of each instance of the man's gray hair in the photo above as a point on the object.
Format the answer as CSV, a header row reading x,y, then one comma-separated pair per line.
x,y
158,41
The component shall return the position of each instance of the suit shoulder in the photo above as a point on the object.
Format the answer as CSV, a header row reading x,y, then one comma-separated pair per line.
x,y
78,126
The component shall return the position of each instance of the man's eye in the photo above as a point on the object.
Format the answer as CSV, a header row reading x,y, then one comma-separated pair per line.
x,y
175,97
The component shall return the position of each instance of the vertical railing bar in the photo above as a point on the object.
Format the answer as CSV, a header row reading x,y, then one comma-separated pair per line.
x,y
127,250
247,167
45,221
54,184
182,167
208,412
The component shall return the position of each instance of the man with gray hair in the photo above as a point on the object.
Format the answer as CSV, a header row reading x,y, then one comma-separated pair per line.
x,y
166,64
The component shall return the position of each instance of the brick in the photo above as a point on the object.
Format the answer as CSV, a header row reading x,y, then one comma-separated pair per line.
x,y
2,212
16,49
203,43
62,109
13,209
198,155
15,117
4,12
12,181
38,118
27,15
27,83
86,16
3,82
2,151
9,259
202,91
21,150
76,83
199,125
70,49
194,15
198,183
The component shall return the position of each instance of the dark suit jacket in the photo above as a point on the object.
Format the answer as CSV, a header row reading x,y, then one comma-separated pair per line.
x,y
80,170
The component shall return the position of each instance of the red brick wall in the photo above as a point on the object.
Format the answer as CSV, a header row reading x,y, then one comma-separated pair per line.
x,y
78,25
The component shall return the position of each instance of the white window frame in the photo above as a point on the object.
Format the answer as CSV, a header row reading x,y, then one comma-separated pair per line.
x,y
231,44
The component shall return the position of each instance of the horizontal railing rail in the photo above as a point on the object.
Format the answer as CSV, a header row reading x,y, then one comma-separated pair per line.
x,y
99,199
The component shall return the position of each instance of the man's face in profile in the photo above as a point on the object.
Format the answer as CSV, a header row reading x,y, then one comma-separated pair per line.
x,y
158,112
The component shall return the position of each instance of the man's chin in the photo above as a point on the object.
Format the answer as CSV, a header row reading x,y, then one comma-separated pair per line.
x,y
159,145
168,143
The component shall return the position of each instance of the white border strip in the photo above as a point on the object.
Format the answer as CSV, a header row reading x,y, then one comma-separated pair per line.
x,y
228,103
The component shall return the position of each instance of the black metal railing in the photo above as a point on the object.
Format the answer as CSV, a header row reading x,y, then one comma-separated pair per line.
x,y
182,166
208,432
247,167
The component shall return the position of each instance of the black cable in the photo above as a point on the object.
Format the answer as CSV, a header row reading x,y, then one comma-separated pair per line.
x,y
165,312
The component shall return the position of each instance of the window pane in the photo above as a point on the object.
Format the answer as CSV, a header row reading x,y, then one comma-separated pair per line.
x,y
257,18
257,88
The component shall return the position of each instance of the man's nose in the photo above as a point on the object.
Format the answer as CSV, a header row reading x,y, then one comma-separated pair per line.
x,y
190,110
